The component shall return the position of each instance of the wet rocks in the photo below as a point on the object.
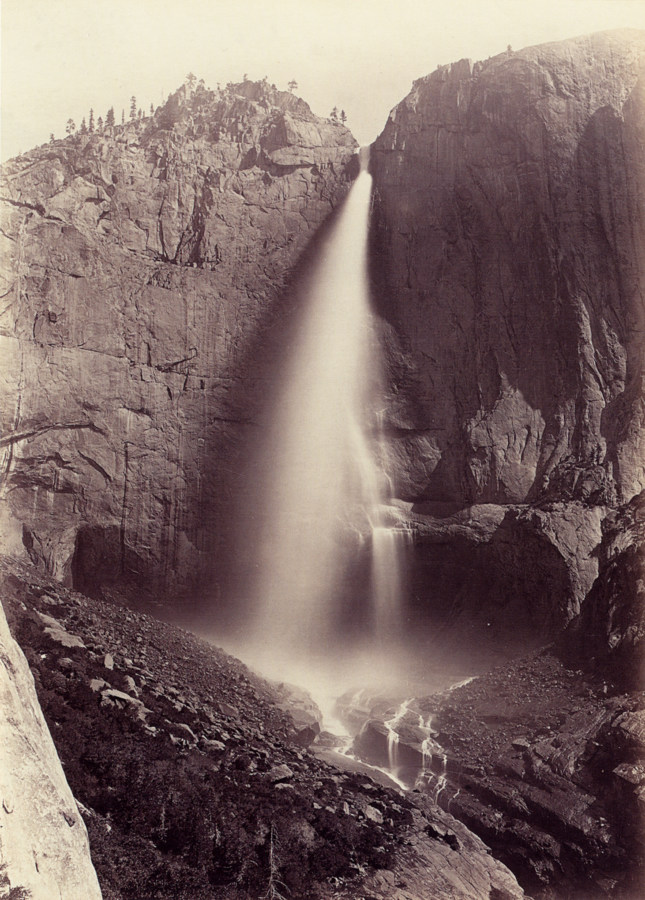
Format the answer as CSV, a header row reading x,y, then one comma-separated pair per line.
x,y
543,764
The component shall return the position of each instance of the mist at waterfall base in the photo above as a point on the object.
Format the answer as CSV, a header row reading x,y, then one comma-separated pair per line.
x,y
323,584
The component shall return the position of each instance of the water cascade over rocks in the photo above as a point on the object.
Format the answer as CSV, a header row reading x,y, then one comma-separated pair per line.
x,y
323,503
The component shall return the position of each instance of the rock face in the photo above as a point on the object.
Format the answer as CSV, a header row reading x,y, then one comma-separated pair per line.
x,y
43,844
144,264
510,232
515,573
608,637
547,768
508,243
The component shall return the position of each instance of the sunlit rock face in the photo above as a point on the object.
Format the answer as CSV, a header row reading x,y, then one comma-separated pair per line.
x,y
508,250
510,246
44,848
145,269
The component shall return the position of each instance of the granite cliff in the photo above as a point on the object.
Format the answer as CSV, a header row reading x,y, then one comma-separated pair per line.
x,y
508,264
44,850
142,265
508,246
148,273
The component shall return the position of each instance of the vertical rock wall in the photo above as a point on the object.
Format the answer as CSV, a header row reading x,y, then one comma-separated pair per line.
x,y
145,268
510,234
509,259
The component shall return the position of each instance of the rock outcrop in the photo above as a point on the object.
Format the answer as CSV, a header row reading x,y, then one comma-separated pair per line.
x,y
44,848
508,238
144,265
608,637
510,230
514,573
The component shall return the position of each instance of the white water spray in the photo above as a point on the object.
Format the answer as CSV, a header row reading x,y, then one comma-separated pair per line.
x,y
442,778
324,494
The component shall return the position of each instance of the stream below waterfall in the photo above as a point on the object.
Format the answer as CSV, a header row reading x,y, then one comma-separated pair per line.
x,y
325,571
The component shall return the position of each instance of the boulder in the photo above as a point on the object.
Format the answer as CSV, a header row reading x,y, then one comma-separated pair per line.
x,y
44,848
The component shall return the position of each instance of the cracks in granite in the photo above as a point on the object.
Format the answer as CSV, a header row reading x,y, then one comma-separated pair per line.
x,y
36,432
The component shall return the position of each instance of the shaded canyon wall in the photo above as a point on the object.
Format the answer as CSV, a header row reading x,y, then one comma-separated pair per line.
x,y
509,263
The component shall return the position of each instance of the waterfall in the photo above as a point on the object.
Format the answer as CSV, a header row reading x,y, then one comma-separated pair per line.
x,y
442,778
393,735
322,502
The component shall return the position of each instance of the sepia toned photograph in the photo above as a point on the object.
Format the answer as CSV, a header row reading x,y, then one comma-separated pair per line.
x,y
322,450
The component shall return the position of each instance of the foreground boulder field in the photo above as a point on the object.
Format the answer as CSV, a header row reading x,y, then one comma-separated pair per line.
x,y
150,277
194,782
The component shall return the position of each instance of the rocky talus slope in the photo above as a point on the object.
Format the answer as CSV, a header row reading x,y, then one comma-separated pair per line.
x,y
142,268
508,247
195,783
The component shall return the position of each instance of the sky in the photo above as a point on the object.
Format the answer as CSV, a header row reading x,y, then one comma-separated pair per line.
x,y
61,57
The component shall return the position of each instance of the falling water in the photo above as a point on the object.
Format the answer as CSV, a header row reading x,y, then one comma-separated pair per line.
x,y
393,735
442,778
321,505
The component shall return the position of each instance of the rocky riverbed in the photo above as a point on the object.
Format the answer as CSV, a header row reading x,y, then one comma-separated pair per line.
x,y
545,763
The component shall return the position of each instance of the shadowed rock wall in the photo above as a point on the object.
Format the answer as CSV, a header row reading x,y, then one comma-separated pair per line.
x,y
509,262
510,237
